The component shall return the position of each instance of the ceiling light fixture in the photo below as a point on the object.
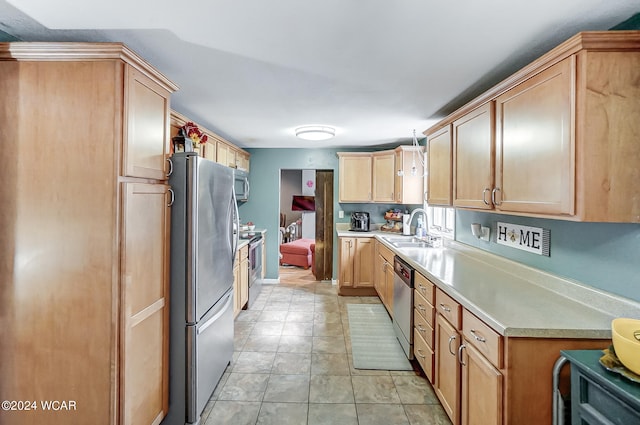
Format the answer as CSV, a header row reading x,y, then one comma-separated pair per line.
x,y
315,132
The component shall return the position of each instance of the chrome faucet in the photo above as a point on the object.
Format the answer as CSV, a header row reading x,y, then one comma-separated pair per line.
x,y
424,213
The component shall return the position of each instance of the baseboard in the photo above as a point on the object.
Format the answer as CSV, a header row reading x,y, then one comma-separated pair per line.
x,y
271,281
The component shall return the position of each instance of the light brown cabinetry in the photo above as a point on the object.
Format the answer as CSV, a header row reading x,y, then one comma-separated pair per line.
x,y
534,144
355,184
383,180
482,377
566,135
423,322
384,275
409,175
473,158
356,273
241,279
482,382
447,368
439,159
87,257
216,148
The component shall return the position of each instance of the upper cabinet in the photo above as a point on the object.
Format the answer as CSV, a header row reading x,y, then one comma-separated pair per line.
x,y
383,182
557,139
355,177
473,163
534,145
389,176
216,149
145,138
409,175
439,179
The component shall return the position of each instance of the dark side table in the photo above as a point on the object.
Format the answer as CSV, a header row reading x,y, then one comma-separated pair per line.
x,y
598,396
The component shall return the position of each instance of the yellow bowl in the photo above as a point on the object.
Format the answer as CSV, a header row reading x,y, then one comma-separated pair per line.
x,y
625,344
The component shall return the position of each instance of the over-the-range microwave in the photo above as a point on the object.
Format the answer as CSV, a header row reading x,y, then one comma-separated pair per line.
x,y
241,185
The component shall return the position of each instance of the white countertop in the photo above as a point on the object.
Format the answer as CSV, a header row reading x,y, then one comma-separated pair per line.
x,y
514,299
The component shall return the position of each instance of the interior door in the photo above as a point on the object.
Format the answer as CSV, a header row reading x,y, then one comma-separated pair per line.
x,y
324,225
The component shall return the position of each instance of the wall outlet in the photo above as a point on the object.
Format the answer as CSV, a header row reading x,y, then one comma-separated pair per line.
x,y
340,214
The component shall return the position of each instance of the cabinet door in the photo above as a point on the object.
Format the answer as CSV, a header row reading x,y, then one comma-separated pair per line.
x,y
481,389
384,164
145,334
347,253
380,278
447,373
355,178
244,276
222,152
147,124
389,272
473,158
409,175
364,257
535,167
236,288
440,177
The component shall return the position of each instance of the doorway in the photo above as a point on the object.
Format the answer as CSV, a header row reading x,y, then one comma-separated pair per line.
x,y
317,224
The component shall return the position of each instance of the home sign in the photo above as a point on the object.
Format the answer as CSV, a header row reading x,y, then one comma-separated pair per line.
x,y
531,239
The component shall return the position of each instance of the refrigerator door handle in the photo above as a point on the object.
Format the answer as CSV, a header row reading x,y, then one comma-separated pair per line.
x,y
212,320
235,235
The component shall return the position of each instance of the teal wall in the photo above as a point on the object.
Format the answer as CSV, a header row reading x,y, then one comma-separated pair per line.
x,y
603,255
263,207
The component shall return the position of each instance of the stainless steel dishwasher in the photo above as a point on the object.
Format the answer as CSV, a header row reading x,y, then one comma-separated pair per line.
x,y
403,304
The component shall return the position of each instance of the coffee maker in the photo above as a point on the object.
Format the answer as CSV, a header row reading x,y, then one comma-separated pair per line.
x,y
360,221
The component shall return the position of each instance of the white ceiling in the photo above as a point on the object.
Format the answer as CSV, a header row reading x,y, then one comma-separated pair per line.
x,y
253,70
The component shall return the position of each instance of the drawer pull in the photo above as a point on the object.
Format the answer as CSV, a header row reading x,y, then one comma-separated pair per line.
x,y
421,329
445,307
421,307
477,337
419,353
451,338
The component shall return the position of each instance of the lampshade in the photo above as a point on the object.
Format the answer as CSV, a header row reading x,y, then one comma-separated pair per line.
x,y
315,132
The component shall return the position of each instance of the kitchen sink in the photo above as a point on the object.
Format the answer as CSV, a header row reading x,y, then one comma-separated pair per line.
x,y
411,244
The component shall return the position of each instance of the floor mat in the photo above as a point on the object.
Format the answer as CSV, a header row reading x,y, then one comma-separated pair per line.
x,y
373,342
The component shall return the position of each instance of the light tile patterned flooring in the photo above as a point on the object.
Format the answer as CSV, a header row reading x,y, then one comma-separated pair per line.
x,y
292,366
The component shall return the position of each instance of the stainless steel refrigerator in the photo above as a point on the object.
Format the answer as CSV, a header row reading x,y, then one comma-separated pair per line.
x,y
203,247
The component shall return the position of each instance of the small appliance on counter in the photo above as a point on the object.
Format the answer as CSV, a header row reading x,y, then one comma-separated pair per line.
x,y
359,221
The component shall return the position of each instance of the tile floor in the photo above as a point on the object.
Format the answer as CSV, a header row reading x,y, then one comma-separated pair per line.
x,y
292,366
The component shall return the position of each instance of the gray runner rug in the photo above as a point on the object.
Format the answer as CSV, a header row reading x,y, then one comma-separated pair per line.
x,y
373,342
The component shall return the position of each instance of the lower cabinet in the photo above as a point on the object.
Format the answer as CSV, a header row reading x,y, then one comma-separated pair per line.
x,y
423,323
356,273
241,279
383,276
145,322
484,378
447,368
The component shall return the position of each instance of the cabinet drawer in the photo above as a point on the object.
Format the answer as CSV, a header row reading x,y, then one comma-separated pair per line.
x,y
482,337
448,308
423,307
385,252
424,354
423,327
424,286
